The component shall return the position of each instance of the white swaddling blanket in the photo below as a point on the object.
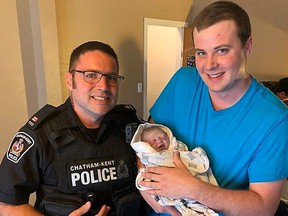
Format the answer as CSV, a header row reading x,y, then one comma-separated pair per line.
x,y
196,161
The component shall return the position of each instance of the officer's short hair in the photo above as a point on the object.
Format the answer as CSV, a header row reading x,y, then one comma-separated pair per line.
x,y
224,10
90,46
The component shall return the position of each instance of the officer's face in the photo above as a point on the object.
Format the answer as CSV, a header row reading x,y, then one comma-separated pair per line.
x,y
93,100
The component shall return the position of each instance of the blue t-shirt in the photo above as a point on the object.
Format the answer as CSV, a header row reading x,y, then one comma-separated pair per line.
x,y
245,143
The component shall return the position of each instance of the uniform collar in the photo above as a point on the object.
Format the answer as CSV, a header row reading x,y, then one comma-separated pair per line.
x,y
74,121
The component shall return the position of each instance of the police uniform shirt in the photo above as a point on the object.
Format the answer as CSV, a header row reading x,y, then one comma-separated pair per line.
x,y
55,152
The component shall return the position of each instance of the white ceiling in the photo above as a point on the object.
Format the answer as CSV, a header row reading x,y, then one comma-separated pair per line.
x,y
274,12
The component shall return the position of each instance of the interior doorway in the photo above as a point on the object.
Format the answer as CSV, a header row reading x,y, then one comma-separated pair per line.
x,y
163,48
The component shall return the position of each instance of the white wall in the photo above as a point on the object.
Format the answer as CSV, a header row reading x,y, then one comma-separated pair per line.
x,y
13,96
30,74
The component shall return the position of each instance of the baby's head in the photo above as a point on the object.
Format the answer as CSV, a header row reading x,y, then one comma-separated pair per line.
x,y
156,137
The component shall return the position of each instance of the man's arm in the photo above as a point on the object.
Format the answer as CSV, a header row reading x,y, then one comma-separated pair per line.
x,y
23,210
261,198
159,208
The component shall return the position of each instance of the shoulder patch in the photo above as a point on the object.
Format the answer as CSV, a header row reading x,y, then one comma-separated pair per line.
x,y
125,108
20,144
36,119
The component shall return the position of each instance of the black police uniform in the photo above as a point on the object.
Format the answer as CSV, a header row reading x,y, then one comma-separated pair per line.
x,y
67,164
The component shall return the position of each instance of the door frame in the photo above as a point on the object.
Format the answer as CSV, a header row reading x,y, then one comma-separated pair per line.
x,y
156,22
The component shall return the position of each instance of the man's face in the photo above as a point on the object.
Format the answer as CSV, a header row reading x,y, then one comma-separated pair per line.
x,y
221,59
93,100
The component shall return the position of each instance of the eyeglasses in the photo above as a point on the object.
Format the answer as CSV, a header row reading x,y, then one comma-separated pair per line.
x,y
95,76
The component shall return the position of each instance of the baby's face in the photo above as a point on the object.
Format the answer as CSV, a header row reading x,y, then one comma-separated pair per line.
x,y
159,140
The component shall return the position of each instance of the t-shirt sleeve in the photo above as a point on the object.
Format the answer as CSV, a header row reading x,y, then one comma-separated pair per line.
x,y
269,157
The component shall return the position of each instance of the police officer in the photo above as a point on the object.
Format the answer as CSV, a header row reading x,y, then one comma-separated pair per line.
x,y
76,156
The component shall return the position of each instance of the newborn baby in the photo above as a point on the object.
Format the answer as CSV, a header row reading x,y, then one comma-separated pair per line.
x,y
154,145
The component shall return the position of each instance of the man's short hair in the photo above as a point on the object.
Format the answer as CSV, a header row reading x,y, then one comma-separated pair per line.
x,y
90,46
221,11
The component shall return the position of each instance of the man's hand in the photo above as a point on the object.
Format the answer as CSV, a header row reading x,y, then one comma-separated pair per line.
x,y
262,198
85,208
169,181
103,211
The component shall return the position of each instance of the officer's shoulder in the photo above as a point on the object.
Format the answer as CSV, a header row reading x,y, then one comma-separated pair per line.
x,y
125,108
126,113
40,116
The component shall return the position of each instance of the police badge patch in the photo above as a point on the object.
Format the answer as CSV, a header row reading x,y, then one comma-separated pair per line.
x,y
20,144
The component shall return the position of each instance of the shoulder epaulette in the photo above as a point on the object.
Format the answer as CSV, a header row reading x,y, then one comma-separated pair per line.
x,y
39,116
125,108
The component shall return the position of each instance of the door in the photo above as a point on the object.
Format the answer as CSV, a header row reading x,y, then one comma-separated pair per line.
x,y
163,47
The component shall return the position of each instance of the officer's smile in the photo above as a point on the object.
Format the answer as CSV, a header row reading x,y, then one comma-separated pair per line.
x,y
100,98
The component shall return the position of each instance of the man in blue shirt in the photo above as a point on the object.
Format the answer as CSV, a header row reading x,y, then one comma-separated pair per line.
x,y
220,107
